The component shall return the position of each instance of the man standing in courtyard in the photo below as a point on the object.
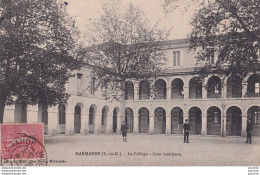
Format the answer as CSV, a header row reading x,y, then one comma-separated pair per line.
x,y
124,131
249,128
186,128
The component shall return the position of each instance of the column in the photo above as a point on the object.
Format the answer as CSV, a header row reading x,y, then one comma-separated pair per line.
x,y
109,128
136,91
203,125
169,92
168,124
97,124
244,89
69,122
204,92
32,114
9,114
224,92
186,92
52,120
244,123
151,125
84,124
119,123
136,128
223,125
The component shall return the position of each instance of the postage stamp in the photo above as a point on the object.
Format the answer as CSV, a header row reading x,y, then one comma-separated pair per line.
x,y
23,145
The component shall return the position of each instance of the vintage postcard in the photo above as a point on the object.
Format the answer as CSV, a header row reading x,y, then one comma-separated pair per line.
x,y
130,83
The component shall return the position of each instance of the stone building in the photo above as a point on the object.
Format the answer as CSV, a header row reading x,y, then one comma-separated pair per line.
x,y
180,95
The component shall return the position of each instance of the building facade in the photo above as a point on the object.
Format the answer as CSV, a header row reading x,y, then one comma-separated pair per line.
x,y
179,94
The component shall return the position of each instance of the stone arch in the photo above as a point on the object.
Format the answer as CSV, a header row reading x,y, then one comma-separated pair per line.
x,y
234,87
194,106
195,88
143,120
62,118
177,77
129,90
253,114
213,120
214,87
177,88
159,120
234,121
195,120
160,89
104,117
236,105
253,85
92,115
176,120
129,114
144,90
116,113
79,107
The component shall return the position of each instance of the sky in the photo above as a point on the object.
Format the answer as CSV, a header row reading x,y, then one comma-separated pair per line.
x,y
178,20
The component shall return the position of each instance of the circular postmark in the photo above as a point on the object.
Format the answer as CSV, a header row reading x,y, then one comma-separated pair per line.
x,y
25,151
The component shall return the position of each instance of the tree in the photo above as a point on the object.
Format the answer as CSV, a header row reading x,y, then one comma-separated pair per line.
x,y
125,47
232,30
37,52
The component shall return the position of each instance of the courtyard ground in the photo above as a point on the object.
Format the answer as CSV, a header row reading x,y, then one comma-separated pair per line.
x,y
168,150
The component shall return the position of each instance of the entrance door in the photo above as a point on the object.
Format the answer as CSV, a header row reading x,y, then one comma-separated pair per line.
x,y
77,120
144,121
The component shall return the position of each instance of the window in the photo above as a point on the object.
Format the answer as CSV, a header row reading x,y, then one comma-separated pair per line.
x,y
216,117
256,118
93,84
210,53
61,114
79,82
257,87
176,58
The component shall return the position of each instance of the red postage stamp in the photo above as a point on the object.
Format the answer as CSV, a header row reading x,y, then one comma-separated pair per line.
x,y
21,143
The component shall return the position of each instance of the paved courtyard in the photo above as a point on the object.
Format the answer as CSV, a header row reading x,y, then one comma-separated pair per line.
x,y
169,150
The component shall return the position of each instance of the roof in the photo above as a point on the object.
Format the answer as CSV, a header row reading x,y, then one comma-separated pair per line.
x,y
175,42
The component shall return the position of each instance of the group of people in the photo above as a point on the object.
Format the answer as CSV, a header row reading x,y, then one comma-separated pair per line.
x,y
186,128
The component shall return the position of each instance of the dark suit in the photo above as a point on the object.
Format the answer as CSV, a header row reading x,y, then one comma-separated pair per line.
x,y
249,128
186,128
124,130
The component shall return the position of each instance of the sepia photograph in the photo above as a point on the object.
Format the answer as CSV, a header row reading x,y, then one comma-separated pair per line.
x,y
130,83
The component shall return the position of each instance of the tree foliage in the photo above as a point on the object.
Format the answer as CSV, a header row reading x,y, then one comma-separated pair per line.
x,y
125,46
228,29
37,52
232,29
